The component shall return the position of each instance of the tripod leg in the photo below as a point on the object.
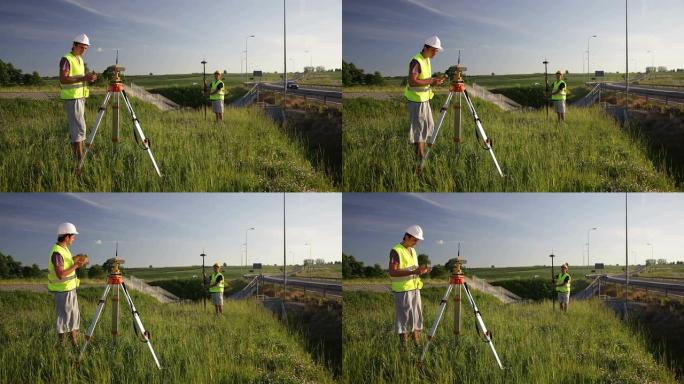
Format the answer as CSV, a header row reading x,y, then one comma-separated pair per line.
x,y
433,329
481,324
478,123
138,129
440,120
93,324
93,131
138,322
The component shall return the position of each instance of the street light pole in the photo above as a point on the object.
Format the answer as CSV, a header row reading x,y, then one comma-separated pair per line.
x,y
284,59
246,62
204,281
310,59
589,241
588,39
247,231
626,52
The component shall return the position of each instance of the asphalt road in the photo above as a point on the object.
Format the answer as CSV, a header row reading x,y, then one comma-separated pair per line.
x,y
324,288
326,95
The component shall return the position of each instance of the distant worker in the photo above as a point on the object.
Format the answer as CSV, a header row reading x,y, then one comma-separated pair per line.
x,y
405,274
558,95
74,91
216,285
419,93
562,285
62,282
216,94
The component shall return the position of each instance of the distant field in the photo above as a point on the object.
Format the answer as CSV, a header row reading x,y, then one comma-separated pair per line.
x,y
246,345
664,78
668,271
167,273
596,347
324,271
322,78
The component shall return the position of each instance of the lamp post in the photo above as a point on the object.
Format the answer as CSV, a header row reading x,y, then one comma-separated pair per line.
x,y
310,259
204,281
246,66
626,52
650,245
310,59
588,39
247,231
589,241
553,282
204,80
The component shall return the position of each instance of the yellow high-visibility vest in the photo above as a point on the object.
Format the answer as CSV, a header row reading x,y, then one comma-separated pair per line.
x,y
563,93
565,288
420,93
218,95
220,285
76,90
68,282
408,261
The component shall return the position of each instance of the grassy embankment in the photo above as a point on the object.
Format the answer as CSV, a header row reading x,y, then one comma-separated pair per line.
x,y
246,345
536,345
249,152
589,153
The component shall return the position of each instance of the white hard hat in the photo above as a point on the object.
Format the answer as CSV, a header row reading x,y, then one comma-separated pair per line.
x,y
434,42
82,39
415,231
67,229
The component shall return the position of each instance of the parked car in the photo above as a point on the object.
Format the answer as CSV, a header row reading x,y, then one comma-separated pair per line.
x,y
292,85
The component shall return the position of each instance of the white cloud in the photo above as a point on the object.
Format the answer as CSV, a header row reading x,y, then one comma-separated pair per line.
x,y
440,242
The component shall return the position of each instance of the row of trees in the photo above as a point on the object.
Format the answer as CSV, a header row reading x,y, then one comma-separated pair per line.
x,y
351,75
352,268
10,268
9,75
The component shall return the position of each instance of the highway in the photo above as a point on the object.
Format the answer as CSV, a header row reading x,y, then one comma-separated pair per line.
x,y
656,93
324,288
326,95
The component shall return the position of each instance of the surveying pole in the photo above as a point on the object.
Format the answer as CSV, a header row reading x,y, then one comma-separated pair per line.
x,y
204,281
115,114
457,298
553,283
546,95
204,89
458,121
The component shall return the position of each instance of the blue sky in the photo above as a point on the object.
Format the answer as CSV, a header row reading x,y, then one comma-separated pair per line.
x,y
507,37
172,36
172,229
515,229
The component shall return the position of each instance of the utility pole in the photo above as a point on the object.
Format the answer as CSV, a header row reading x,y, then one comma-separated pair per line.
x,y
626,245
204,281
284,61
246,62
588,70
626,52
546,81
284,246
246,231
204,81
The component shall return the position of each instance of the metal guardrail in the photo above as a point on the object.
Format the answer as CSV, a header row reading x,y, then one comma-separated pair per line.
x,y
498,99
501,293
158,100
158,293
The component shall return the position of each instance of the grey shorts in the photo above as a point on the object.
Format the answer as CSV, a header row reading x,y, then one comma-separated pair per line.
x,y
217,105
563,297
559,106
68,316
217,298
409,311
75,109
420,118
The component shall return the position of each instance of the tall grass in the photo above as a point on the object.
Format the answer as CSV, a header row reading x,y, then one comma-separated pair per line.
x,y
536,345
245,345
248,152
588,153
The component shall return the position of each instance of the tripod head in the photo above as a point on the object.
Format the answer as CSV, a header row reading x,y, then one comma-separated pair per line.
x,y
457,276
455,74
115,276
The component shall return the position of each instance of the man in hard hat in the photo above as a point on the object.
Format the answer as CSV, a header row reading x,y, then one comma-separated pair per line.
x,y
62,282
216,285
559,92
216,94
562,286
418,93
405,274
72,80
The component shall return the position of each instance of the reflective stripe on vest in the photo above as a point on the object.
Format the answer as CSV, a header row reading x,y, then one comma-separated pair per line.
x,y
565,287
220,93
563,92
420,93
408,261
76,90
219,287
70,281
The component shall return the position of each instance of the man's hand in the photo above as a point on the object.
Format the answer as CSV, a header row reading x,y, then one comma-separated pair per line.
x,y
90,77
423,270
438,80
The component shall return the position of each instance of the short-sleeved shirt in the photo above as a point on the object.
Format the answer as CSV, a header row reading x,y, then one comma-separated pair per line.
x,y
414,67
57,260
394,257
64,65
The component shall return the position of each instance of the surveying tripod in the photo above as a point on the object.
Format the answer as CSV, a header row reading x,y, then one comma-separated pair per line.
x,y
458,87
115,281
116,88
458,279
